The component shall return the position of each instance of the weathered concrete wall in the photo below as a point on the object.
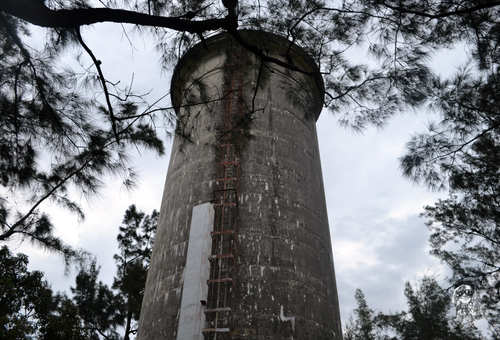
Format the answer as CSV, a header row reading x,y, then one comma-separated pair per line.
x,y
284,282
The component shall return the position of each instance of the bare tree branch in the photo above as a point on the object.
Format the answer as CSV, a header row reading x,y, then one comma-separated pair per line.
x,y
149,111
97,64
257,85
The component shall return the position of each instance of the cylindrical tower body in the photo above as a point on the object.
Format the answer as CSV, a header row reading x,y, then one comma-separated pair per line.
x,y
243,246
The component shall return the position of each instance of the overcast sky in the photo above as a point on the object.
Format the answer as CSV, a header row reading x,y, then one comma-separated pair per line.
x,y
378,238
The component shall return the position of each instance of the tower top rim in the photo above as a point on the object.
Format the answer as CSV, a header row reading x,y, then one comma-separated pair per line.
x,y
271,42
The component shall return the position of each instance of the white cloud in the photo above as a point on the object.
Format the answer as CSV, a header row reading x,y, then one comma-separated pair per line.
x,y
352,255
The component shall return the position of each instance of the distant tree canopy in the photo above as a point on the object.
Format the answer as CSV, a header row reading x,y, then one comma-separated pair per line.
x,y
29,309
45,115
428,317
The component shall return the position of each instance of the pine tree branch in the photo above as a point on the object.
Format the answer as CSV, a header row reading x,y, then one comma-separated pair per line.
x,y
338,10
148,111
352,88
12,229
467,10
97,64
265,58
460,147
259,75
35,12
26,56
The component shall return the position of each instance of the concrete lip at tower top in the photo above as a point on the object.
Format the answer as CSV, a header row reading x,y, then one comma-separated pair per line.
x,y
264,40
245,157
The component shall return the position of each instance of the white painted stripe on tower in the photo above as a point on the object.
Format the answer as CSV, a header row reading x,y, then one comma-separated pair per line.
x,y
196,274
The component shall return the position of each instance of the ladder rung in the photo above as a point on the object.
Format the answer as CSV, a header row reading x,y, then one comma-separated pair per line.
x,y
214,330
226,204
222,179
225,279
221,256
223,232
217,310
235,162
225,190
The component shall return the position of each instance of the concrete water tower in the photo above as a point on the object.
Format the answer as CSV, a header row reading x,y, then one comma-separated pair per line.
x,y
243,246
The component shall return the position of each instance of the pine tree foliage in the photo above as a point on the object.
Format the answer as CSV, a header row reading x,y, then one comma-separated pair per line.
x,y
363,326
135,241
428,317
461,153
94,311
465,227
64,322
98,306
24,297
44,117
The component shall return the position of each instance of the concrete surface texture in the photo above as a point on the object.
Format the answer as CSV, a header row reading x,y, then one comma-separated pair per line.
x,y
281,281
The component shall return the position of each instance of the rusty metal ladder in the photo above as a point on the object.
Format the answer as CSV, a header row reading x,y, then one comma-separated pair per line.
x,y
218,313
